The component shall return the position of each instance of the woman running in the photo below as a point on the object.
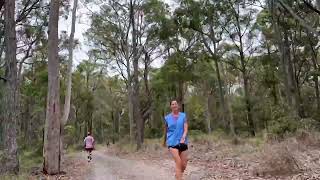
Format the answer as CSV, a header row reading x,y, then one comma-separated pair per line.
x,y
176,130
89,145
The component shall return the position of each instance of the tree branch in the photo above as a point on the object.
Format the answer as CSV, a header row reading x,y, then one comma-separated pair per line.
x,y
301,21
311,7
4,79
26,11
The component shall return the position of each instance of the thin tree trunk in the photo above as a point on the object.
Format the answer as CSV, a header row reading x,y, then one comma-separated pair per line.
x,y
208,113
315,76
228,103
220,84
181,94
230,112
119,123
283,64
136,101
274,85
248,103
51,164
246,87
11,108
113,126
221,93
66,109
131,114
292,85
283,53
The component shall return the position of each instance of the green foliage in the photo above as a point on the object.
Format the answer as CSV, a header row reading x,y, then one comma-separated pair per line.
x,y
283,125
153,133
196,114
69,134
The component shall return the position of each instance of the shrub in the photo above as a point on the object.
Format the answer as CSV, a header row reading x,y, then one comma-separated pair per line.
x,y
277,160
283,125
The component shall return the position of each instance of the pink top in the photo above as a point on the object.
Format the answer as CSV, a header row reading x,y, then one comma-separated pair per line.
x,y
89,141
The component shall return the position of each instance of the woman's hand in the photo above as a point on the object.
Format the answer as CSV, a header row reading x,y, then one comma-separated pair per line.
x,y
183,139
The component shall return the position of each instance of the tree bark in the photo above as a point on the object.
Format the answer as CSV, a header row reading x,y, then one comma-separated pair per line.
x,y
51,164
11,108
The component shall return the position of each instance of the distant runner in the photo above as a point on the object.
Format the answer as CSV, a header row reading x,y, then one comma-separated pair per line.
x,y
176,129
89,145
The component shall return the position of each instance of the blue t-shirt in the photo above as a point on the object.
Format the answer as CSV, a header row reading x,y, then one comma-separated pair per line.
x,y
175,129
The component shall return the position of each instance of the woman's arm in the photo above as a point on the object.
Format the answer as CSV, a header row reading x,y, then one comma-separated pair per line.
x,y
185,131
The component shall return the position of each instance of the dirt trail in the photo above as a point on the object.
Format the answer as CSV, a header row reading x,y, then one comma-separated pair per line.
x,y
107,167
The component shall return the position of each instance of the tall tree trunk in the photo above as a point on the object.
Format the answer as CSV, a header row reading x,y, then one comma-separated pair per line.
x,y
274,85
283,64
230,112
147,108
11,108
315,68
228,102
283,52
216,63
221,92
292,85
246,87
51,164
136,101
245,75
248,102
66,109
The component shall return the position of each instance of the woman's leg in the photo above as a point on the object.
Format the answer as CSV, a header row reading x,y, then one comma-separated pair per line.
x,y
175,154
90,154
184,160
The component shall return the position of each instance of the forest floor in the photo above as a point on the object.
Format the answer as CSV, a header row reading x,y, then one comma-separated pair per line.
x,y
296,158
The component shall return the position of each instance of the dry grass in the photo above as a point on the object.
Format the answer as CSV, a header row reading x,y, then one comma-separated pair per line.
x,y
295,155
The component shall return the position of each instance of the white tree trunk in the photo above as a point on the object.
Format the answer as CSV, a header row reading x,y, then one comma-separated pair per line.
x,y
66,109
51,164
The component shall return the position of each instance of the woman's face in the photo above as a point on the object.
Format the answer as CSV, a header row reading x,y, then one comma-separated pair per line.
x,y
174,106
